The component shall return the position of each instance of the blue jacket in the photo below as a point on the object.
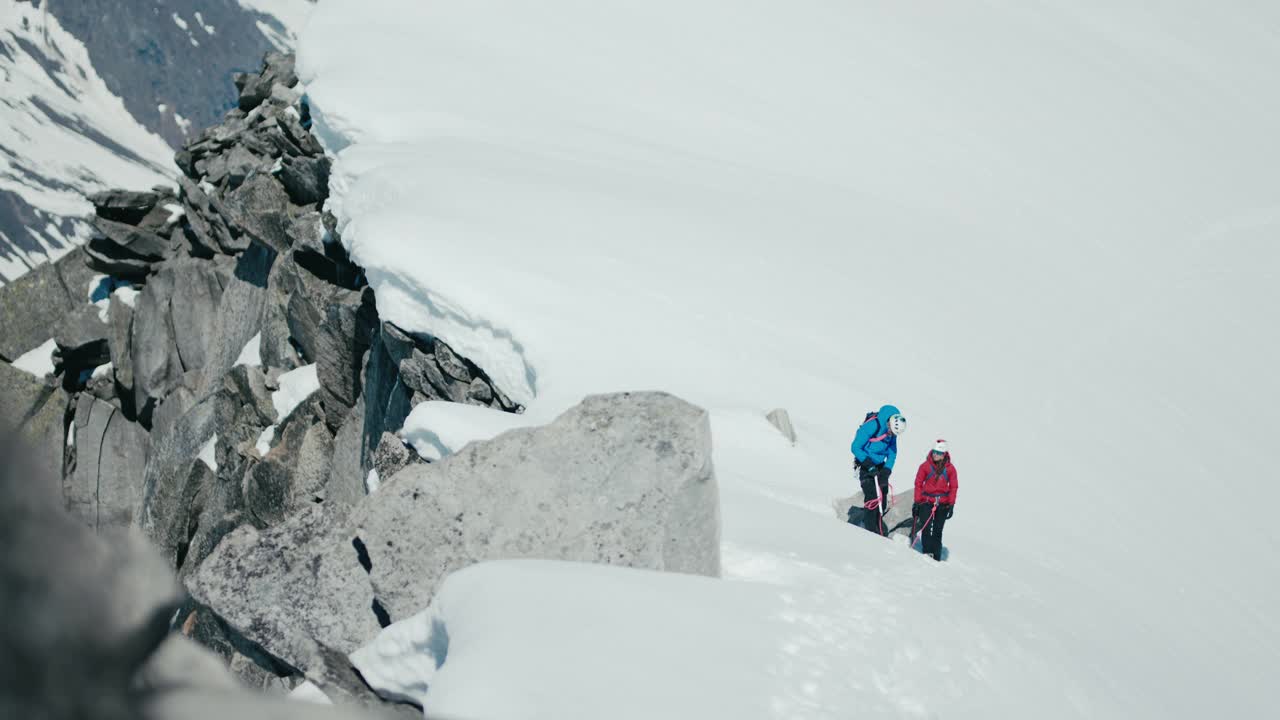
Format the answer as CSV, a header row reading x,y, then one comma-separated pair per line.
x,y
882,451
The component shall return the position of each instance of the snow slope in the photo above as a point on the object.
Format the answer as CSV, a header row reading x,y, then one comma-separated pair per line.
x,y
1044,230
63,134
289,15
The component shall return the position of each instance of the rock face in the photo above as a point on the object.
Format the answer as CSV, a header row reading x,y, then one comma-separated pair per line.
x,y
621,479
104,488
38,411
35,302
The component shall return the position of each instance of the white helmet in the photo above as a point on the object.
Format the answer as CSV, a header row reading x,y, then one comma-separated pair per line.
x,y
897,424
940,446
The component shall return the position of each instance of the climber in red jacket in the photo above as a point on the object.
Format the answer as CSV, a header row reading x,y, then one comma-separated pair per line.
x,y
935,500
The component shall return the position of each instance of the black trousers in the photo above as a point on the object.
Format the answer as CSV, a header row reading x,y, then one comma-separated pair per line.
x,y
870,477
931,533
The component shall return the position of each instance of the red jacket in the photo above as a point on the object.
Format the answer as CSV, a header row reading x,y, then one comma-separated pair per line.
x,y
932,484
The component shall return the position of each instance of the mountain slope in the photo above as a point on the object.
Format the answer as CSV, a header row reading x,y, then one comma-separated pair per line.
x,y
1045,231
97,94
63,134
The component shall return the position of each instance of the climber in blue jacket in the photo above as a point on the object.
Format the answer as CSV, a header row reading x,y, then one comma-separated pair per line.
x,y
875,448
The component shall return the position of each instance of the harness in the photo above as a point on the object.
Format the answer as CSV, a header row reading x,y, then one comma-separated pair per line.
x,y
934,473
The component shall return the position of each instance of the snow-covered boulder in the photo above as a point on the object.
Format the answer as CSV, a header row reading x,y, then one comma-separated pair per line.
x,y
623,479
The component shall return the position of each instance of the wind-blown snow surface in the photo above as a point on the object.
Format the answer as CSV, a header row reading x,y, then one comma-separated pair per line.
x,y
1047,231
63,135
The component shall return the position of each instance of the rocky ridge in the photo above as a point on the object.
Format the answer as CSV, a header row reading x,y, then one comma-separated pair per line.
x,y
221,381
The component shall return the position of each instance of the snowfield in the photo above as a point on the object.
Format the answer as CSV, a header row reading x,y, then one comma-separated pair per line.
x,y
1046,231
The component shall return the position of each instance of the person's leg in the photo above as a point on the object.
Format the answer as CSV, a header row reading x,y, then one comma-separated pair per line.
x,y
882,477
933,535
870,516
939,521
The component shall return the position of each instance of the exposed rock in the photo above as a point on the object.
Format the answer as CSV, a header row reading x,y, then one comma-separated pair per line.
x,y
535,493
479,393
82,339
450,363
259,209
257,88
194,310
130,242
124,206
37,409
168,490
205,216
392,456
345,486
165,415
120,345
290,589
30,306
423,375
240,313
276,348
235,166
308,586
307,308
781,420
346,333
898,519
172,330
103,256
306,179
292,475
306,233
105,488
387,398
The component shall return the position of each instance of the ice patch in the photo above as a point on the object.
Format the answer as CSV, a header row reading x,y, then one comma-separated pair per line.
x,y
308,691
265,438
209,29
177,20
436,429
127,294
295,387
208,453
38,362
372,482
176,213
251,353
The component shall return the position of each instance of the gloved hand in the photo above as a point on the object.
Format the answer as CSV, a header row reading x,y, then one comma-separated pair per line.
x,y
916,511
949,511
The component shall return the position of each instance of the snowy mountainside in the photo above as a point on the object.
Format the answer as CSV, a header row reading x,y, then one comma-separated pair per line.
x,y
99,93
1046,231
63,134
